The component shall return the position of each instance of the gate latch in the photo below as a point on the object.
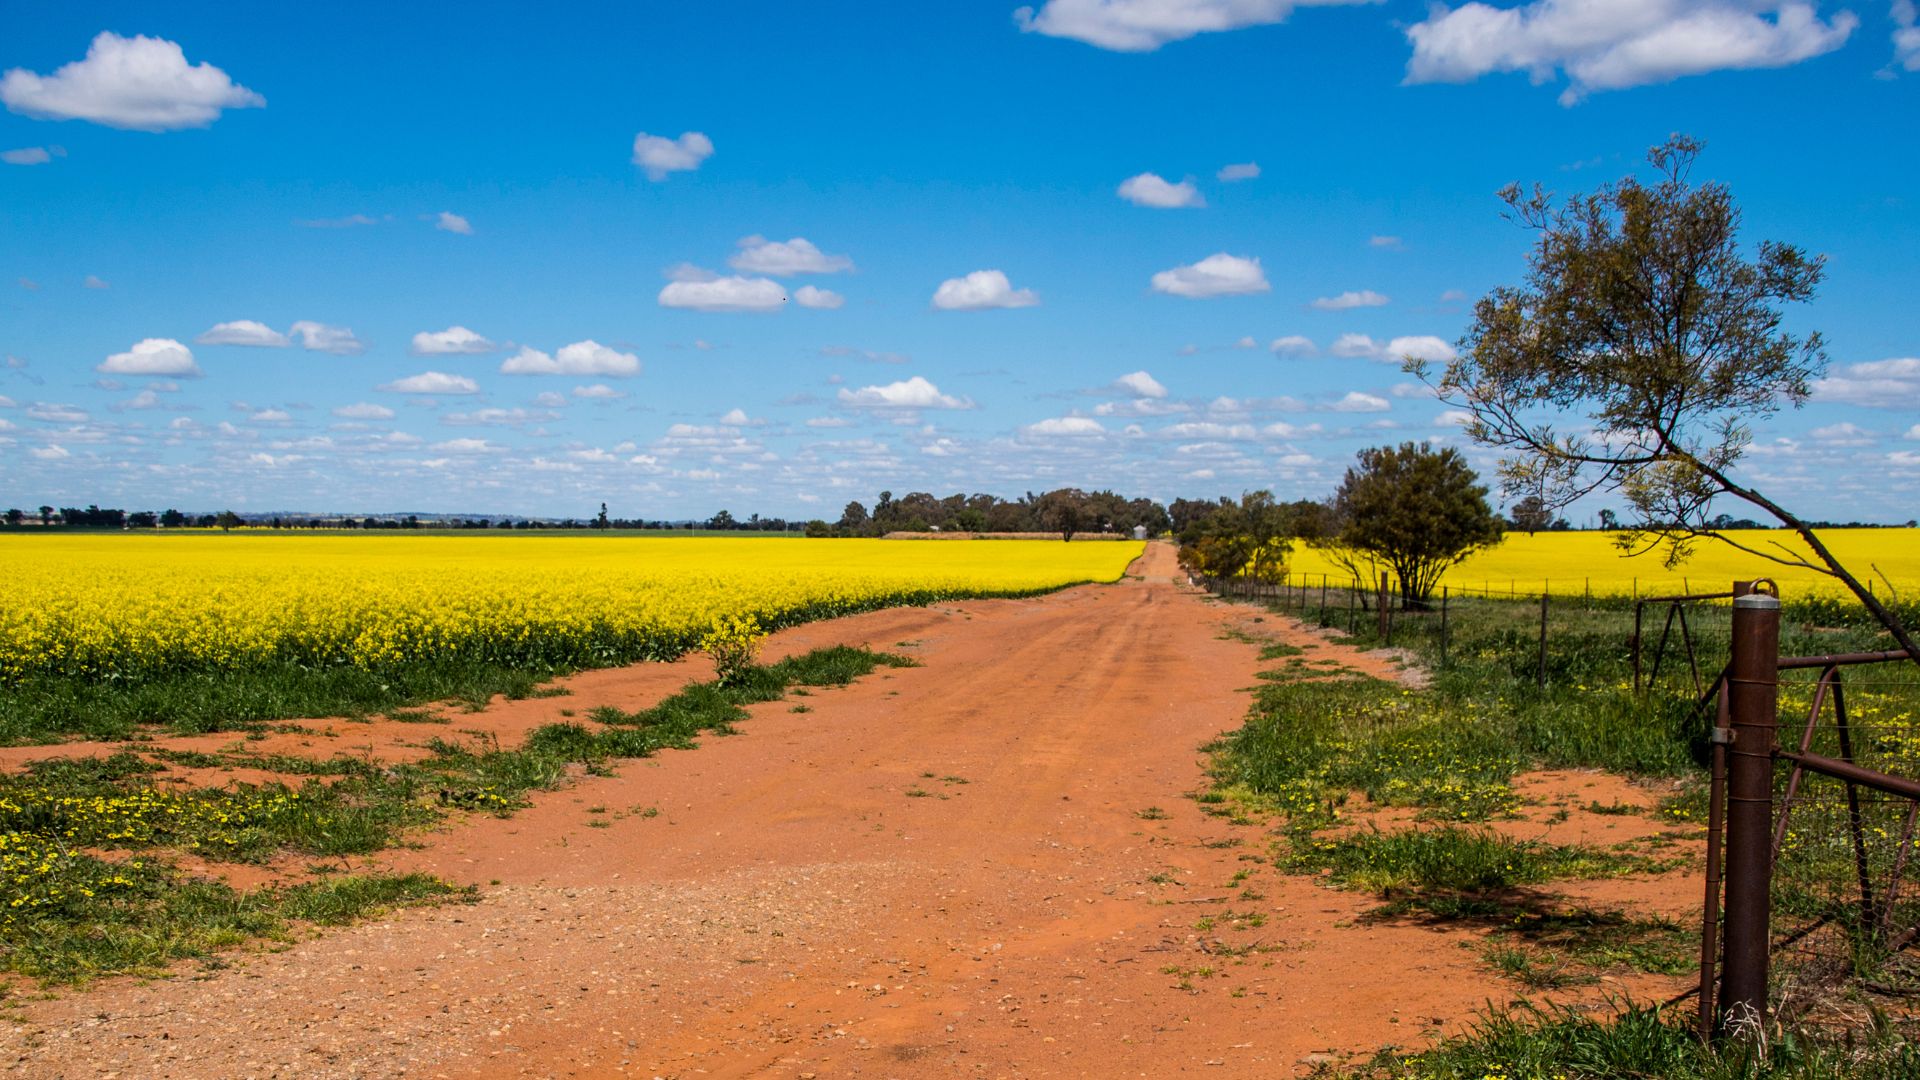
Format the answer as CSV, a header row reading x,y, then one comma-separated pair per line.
x,y
1720,735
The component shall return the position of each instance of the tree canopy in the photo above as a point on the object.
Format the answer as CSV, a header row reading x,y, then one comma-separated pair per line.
x,y
1644,319
1415,509
1250,538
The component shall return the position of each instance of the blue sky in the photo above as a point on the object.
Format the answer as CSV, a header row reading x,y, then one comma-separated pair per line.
x,y
773,257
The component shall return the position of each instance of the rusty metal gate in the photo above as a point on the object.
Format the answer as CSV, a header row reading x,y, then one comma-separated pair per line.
x,y
1814,875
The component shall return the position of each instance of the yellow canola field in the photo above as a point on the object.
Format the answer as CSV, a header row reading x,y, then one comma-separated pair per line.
x,y
135,606
1568,562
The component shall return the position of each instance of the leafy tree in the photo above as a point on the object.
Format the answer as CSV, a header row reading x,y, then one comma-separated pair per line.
x,y
174,519
1643,315
854,519
226,520
46,515
1064,511
1609,520
1417,510
14,515
721,521
1531,513
1248,539
1186,513
1322,526
601,521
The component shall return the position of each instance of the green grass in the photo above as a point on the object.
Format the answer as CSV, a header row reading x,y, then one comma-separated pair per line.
x,y
1451,750
141,917
122,906
1450,861
47,710
1539,1043
1307,744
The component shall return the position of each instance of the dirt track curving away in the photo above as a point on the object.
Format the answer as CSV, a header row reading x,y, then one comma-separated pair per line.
x,y
988,865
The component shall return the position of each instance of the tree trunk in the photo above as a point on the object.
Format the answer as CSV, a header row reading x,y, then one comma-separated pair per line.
x,y
1887,617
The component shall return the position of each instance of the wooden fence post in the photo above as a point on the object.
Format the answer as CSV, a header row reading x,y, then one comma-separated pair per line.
x,y
1542,680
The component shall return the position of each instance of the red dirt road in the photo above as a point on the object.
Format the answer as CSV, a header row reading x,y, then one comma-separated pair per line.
x,y
988,865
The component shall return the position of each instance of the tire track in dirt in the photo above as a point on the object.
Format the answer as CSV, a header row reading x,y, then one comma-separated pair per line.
x,y
795,909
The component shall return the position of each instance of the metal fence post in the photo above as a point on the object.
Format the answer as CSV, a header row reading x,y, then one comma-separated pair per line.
x,y
1753,704
1443,626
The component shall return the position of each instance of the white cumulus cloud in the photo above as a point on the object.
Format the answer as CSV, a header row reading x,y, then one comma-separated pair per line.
x,y
1355,346
26,155
454,340
319,337
364,410
661,156
432,382
1215,275
1294,345
1140,384
911,393
1355,401
695,289
1611,45
1418,347
784,258
139,82
1886,384
1245,170
1145,25
1348,300
1844,433
464,446
980,290
1395,351
1147,189
54,412
243,332
580,358
1067,426
825,299
153,356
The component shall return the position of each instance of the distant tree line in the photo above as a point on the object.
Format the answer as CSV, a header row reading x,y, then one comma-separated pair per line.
x,y
94,517
1066,511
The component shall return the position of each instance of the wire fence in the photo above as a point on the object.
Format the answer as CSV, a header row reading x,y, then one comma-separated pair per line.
x,y
1832,796
1845,902
1673,642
